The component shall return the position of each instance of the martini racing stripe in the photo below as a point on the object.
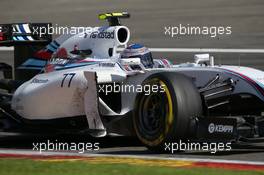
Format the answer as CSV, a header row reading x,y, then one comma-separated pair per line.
x,y
26,27
74,65
20,26
30,38
23,38
22,29
33,63
49,47
20,38
17,29
253,83
54,44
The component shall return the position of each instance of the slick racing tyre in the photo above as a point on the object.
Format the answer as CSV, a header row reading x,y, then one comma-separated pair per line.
x,y
166,115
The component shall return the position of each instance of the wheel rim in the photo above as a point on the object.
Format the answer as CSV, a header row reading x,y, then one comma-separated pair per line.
x,y
154,115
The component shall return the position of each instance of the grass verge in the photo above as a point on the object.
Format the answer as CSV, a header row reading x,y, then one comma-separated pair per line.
x,y
12,166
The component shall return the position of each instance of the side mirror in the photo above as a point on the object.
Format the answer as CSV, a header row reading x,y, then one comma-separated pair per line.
x,y
203,59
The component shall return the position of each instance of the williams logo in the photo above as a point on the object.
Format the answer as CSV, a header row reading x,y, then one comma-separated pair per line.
x,y
102,35
213,128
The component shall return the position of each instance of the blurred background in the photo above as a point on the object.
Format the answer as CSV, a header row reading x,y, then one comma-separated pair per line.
x,y
148,19
147,22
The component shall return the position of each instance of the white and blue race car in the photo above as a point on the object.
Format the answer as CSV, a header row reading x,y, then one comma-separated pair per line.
x,y
83,85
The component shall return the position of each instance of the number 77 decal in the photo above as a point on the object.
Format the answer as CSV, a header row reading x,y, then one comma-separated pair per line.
x,y
70,75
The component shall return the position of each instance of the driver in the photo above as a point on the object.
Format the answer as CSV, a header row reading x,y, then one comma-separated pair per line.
x,y
139,51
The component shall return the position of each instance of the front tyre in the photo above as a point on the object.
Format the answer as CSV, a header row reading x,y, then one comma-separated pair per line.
x,y
166,115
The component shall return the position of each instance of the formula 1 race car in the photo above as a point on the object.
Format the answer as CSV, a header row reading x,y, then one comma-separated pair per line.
x,y
83,85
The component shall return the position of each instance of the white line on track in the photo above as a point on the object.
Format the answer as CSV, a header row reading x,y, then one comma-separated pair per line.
x,y
204,50
6,48
196,50
46,153
207,50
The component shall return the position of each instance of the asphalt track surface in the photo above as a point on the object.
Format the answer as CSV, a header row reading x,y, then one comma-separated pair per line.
x,y
147,24
124,146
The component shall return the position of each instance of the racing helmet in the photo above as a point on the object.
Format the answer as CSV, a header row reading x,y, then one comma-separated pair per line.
x,y
139,51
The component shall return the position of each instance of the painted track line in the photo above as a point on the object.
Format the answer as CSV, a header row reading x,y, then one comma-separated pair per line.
x,y
195,50
6,48
204,50
207,50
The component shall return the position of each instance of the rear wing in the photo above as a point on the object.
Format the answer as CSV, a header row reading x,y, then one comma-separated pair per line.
x,y
113,18
26,38
24,33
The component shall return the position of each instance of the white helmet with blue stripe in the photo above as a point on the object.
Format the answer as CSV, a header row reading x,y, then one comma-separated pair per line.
x,y
139,51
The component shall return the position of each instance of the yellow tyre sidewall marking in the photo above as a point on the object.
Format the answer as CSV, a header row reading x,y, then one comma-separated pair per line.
x,y
169,117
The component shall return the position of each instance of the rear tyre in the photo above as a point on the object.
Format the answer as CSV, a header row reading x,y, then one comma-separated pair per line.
x,y
166,115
